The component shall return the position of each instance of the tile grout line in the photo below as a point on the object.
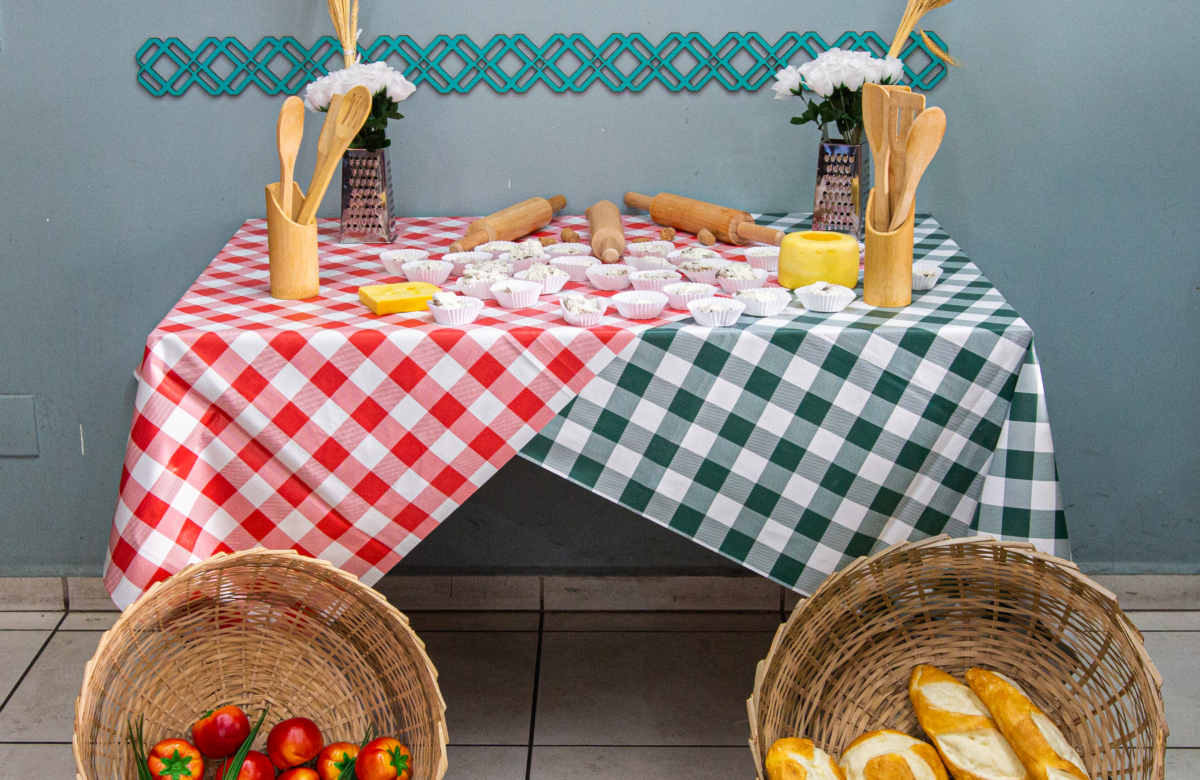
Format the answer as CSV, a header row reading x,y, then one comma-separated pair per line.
x,y
29,668
537,675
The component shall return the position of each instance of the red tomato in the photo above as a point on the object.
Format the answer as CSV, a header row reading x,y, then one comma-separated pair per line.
x,y
255,767
384,759
300,773
221,732
334,758
293,742
175,759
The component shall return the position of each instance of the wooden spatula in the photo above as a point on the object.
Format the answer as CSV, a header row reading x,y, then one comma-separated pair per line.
x,y
875,101
923,142
347,121
903,108
288,134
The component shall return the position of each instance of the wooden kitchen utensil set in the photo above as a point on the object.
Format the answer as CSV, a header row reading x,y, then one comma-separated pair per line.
x,y
904,136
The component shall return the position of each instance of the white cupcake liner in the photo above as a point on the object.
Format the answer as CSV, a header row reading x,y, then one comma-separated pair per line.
x,y
457,317
676,257
463,259
524,295
835,300
564,249
522,265
584,320
437,276
550,284
764,257
702,277
718,319
576,267
641,263
480,290
633,305
496,248
767,308
602,281
922,283
654,285
733,285
680,302
657,248
394,259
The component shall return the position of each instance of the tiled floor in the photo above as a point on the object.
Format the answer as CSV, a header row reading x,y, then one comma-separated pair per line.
x,y
559,696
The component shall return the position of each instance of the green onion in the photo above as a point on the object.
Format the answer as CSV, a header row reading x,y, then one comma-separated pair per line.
x,y
347,772
234,767
137,741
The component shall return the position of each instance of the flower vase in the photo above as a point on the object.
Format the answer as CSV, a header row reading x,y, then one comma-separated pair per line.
x,y
368,209
843,186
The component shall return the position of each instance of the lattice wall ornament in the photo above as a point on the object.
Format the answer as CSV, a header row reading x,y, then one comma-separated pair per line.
x,y
513,63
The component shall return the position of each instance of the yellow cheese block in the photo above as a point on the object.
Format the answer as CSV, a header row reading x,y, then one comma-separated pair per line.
x,y
392,298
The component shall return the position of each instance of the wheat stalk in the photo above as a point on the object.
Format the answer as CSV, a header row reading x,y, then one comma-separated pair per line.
x,y
344,14
912,15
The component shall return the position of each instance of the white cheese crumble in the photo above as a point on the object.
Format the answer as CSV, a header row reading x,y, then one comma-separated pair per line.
x,y
714,304
655,262
763,294
690,288
737,271
496,247
700,265
577,304
473,276
527,250
658,275
573,249
448,300
611,270
539,271
698,253
426,265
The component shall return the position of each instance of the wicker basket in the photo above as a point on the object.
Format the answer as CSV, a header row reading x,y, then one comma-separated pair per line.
x,y
256,628
839,667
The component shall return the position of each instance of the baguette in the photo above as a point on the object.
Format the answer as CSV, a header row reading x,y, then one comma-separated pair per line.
x,y
891,755
1039,744
962,729
800,759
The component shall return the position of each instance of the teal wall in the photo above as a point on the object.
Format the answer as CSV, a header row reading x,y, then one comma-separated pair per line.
x,y
1068,174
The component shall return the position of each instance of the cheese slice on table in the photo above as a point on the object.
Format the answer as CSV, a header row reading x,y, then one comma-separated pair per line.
x,y
393,298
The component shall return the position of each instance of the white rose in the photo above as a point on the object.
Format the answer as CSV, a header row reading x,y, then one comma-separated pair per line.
x,y
817,78
875,70
787,83
854,70
398,87
893,70
833,63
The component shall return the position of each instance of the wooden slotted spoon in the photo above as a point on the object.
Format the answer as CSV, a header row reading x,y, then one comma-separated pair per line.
x,y
902,110
340,128
923,142
288,134
875,99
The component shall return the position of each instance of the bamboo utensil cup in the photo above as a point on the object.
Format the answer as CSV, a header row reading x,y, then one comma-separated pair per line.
x,y
887,278
292,249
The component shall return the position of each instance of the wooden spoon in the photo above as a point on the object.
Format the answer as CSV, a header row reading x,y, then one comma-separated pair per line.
x,y
903,108
875,99
288,134
350,115
923,142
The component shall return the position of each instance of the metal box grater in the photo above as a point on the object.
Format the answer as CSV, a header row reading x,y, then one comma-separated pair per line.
x,y
368,210
843,185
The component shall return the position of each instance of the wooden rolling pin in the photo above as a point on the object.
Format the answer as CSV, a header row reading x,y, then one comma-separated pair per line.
x,y
728,225
608,237
510,224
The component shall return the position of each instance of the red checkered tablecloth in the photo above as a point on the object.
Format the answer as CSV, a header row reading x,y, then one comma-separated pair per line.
x,y
318,426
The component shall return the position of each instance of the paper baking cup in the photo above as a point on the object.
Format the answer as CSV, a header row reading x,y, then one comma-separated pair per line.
x,y
659,248
717,319
640,283
680,302
835,300
394,259
922,283
767,308
733,285
640,305
437,275
462,315
480,290
676,257
604,281
564,249
584,320
550,284
704,277
576,267
764,257
522,265
463,259
650,263
496,248
524,294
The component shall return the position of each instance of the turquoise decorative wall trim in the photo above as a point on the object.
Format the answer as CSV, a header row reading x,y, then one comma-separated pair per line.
x,y
513,63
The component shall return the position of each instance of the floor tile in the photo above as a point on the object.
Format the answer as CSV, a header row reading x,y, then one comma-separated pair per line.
x,y
31,594
662,621
646,688
89,621
1183,764
568,594
473,621
1166,621
17,649
52,761
469,593
487,681
1153,591
89,594
623,763
29,621
43,707
471,762
1177,656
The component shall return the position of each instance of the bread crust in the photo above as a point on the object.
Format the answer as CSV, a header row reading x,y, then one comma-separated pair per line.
x,y
792,758
1013,713
889,768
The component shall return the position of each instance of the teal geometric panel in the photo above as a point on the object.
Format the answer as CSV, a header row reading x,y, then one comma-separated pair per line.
x,y
513,63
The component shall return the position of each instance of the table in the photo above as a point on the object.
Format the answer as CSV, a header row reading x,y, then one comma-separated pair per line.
x,y
790,444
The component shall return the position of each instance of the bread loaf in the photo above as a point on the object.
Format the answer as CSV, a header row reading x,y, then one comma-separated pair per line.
x,y
800,759
891,755
962,729
1038,743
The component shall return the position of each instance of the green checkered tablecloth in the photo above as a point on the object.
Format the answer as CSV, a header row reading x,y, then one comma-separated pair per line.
x,y
796,443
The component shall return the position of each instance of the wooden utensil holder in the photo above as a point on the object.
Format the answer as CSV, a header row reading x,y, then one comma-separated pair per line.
x,y
292,249
887,277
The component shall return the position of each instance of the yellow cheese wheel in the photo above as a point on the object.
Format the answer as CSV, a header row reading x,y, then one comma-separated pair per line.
x,y
817,256
393,298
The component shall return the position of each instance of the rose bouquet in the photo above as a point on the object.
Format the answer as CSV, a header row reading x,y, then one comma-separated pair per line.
x,y
387,86
837,76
